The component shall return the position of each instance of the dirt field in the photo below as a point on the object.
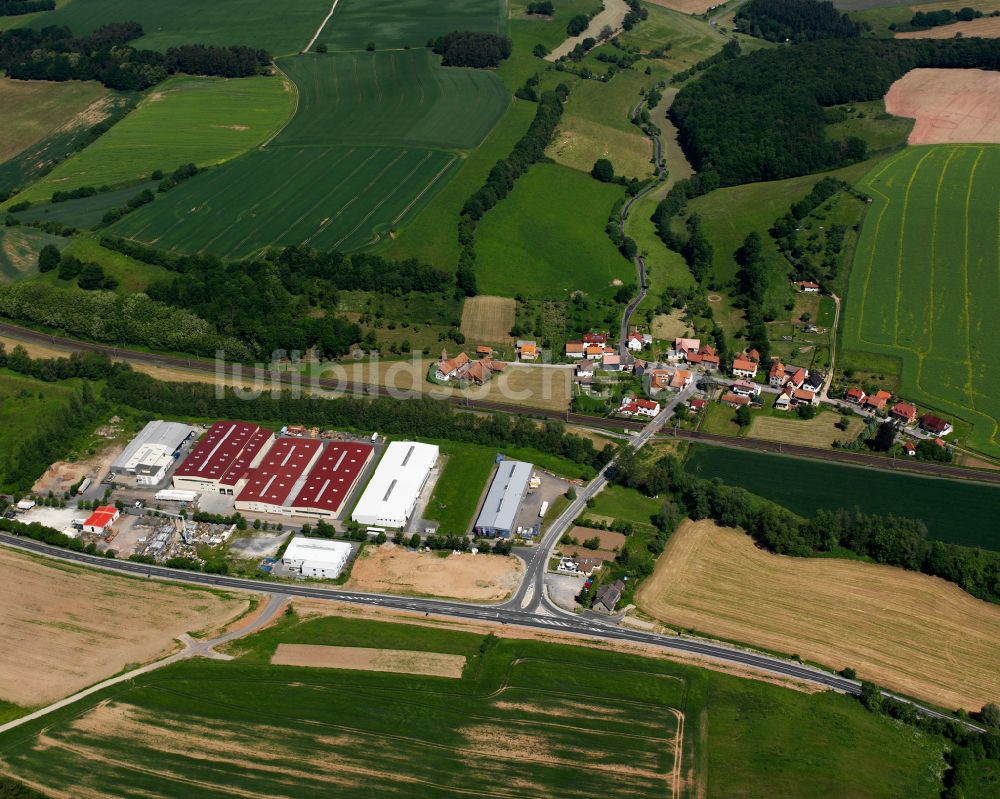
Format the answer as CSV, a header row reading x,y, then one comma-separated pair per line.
x,y
360,658
65,628
818,432
984,28
951,106
61,475
916,634
488,319
395,570
688,6
609,539
667,327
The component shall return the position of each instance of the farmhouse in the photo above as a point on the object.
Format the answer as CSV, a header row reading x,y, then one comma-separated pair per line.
x,y
449,368
527,350
101,519
904,411
498,516
223,458
935,425
148,456
808,286
391,495
639,407
316,557
878,400
855,396
575,349
744,367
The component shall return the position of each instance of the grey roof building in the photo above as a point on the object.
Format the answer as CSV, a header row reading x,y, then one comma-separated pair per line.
x,y
151,451
503,500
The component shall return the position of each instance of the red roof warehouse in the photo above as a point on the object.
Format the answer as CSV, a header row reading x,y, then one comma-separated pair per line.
x,y
332,478
271,484
223,458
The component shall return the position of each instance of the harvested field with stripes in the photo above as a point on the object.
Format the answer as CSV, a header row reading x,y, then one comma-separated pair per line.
x,y
488,319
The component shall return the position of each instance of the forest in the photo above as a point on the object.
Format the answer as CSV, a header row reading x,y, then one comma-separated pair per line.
x,y
14,8
468,49
795,21
745,121
54,54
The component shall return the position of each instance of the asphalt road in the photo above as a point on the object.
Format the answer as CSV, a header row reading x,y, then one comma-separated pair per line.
x,y
482,613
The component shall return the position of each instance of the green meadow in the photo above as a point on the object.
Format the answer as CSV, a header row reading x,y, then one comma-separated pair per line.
x,y
461,484
926,280
19,249
204,121
526,719
805,486
531,244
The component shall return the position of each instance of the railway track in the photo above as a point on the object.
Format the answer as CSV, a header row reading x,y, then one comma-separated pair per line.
x,y
208,368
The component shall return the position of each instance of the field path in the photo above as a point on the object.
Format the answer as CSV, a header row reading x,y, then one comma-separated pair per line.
x,y
322,25
192,648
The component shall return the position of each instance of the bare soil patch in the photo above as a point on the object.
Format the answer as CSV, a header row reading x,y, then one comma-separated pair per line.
x,y
488,319
916,634
395,570
688,6
609,540
61,475
65,627
611,16
950,106
358,658
984,28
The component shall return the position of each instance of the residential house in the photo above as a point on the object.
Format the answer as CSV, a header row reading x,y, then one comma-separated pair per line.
x,y
647,339
527,350
593,352
660,379
802,396
697,405
482,370
683,348
584,369
855,396
611,362
814,382
632,406
451,368
681,378
607,596
808,286
796,376
744,367
906,412
736,400
595,338
484,352
909,449
639,367
935,425
877,401
745,388
574,349
634,342
784,400
753,355
776,376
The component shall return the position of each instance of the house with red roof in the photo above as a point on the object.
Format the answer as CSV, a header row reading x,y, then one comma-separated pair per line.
x,y
935,425
776,375
632,406
909,449
745,388
878,400
697,405
906,412
595,338
808,286
855,396
744,367
736,400
575,349
102,518
635,342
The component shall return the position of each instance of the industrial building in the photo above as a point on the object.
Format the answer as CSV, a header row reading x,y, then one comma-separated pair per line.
x,y
269,486
100,519
316,557
329,482
150,454
223,459
392,493
503,501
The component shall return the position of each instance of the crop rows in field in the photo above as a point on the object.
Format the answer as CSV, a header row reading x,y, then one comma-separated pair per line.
x,y
323,197
926,280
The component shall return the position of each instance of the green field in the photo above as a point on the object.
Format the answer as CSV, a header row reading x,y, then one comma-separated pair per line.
x,y
529,244
279,27
926,280
85,212
526,719
35,109
461,484
374,137
805,486
407,23
204,121
19,248
399,98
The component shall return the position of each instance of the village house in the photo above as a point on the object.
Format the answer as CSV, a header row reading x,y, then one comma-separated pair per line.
x,y
878,401
905,412
808,286
607,596
795,376
744,367
745,388
855,396
451,368
909,449
595,338
683,348
635,342
783,401
706,357
814,382
736,400
697,405
935,425
585,369
647,339
776,376
484,352
801,396
527,350
632,406
611,362
482,370
574,349
594,352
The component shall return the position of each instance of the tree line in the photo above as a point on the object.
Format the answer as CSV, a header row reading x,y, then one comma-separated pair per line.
x,y
745,121
944,16
14,8
885,539
795,21
421,417
54,54
472,49
529,149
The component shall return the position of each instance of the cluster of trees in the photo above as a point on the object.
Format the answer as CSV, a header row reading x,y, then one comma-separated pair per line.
x,y
14,8
529,149
636,14
753,279
795,21
944,16
745,121
112,215
692,244
89,276
577,24
53,53
422,417
785,233
885,539
545,8
472,49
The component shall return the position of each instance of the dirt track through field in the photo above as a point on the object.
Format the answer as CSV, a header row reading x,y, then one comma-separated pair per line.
x,y
909,632
360,658
951,106
65,628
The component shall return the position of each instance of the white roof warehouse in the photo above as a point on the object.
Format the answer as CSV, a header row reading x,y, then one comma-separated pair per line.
x,y
316,557
503,500
392,493
151,452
